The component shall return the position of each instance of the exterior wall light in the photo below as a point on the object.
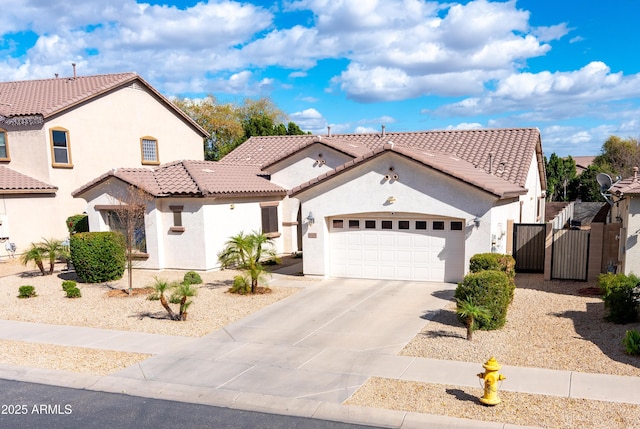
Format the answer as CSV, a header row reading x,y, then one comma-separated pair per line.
x,y
391,200
476,221
310,219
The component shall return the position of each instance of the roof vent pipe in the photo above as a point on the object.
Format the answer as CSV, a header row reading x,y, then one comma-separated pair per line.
x,y
383,133
635,174
490,163
74,70
328,131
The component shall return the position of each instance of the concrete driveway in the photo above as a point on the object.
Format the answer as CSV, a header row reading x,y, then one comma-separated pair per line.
x,y
322,343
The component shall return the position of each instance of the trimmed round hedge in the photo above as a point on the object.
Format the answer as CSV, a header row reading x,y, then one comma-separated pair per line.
x,y
491,289
98,256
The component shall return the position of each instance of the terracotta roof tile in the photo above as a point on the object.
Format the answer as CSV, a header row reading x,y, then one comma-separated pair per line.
x,y
443,162
507,152
629,186
12,182
47,97
193,178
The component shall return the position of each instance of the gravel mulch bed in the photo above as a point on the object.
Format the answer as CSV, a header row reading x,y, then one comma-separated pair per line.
x,y
515,408
109,306
549,325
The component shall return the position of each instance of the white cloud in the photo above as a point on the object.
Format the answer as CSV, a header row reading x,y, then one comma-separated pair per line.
x,y
365,130
465,126
310,120
554,95
553,32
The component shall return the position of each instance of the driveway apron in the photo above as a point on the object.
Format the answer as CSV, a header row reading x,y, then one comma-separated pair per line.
x,y
321,343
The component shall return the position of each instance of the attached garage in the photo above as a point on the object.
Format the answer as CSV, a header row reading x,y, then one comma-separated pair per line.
x,y
385,247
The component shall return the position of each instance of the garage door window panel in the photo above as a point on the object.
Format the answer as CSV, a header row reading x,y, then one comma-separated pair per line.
x,y
456,226
370,224
354,224
337,224
387,224
438,225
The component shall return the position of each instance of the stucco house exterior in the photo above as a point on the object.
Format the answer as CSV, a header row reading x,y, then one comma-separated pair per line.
x,y
58,134
406,206
192,209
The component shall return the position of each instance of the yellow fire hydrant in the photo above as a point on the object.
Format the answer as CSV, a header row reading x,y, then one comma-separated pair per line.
x,y
491,378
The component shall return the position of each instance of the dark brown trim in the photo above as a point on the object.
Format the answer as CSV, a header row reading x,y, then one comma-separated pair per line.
x,y
176,208
270,204
179,229
272,234
289,223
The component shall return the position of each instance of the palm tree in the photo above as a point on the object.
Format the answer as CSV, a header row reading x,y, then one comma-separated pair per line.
x,y
53,249
470,312
161,286
35,254
183,291
246,252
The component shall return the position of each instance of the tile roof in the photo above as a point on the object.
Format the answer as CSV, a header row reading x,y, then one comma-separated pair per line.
x,y
628,186
12,182
443,162
194,179
47,97
506,152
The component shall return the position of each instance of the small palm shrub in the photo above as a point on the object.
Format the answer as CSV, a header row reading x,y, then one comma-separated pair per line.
x,y
632,342
241,285
489,289
619,297
471,314
26,291
181,292
73,292
192,278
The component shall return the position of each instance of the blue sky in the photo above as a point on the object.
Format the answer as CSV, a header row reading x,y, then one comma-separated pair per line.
x,y
570,67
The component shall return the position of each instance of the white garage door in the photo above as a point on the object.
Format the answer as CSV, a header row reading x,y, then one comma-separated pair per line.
x,y
398,249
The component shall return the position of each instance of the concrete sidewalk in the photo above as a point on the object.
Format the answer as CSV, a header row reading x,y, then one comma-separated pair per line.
x,y
304,356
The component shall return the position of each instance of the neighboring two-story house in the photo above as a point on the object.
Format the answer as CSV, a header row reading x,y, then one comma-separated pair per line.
x,y
57,134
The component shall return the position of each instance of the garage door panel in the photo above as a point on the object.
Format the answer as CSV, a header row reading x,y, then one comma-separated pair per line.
x,y
427,255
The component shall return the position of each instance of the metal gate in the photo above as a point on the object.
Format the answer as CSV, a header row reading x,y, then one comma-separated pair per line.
x,y
570,254
528,247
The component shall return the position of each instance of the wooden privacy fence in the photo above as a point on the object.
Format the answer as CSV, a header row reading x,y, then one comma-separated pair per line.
x,y
528,247
570,254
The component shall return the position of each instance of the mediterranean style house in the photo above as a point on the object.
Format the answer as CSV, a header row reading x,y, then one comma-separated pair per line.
x,y
58,134
403,206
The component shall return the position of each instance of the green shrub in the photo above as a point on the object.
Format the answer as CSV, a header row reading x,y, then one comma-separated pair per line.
x,y
78,223
493,261
68,284
73,292
619,297
98,256
26,292
241,285
632,342
490,289
192,278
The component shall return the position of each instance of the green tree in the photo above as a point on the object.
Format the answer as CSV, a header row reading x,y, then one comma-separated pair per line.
x,y
221,120
231,124
247,252
560,173
617,158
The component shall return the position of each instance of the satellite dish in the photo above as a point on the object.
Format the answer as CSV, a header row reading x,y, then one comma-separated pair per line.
x,y
604,180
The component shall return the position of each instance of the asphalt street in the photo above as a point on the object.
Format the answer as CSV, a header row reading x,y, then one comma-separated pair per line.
x,y
34,406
